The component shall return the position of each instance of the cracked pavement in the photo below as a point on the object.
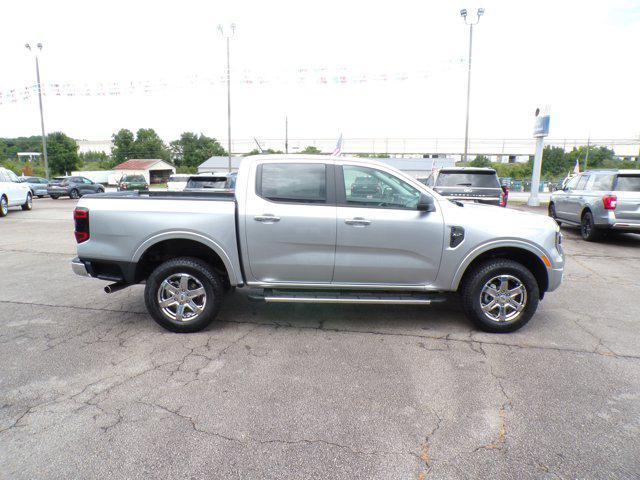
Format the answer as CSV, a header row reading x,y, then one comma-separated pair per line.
x,y
91,387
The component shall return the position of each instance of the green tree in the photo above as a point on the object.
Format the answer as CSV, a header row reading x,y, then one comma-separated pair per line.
x,y
268,151
192,150
62,152
149,145
553,162
123,146
480,161
311,150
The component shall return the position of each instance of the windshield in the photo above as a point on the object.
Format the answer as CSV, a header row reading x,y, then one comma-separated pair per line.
x,y
628,183
133,178
468,179
178,178
207,182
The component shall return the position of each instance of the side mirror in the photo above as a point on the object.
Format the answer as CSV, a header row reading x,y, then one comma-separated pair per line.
x,y
426,203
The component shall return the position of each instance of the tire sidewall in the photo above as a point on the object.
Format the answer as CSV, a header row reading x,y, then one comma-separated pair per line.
x,y
484,273
205,275
588,218
28,205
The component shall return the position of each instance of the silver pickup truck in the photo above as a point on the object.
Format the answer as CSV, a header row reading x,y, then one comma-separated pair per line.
x,y
300,229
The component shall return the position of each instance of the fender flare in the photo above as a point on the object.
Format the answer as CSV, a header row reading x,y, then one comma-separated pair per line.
x,y
187,235
493,245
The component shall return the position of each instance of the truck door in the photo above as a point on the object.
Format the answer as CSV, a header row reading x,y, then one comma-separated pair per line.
x,y
381,236
290,222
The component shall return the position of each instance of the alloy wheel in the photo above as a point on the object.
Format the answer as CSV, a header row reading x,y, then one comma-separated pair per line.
x,y
4,206
181,297
503,298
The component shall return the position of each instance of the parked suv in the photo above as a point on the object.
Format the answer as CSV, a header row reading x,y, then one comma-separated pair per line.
x,y
13,192
38,185
599,200
133,182
72,187
479,185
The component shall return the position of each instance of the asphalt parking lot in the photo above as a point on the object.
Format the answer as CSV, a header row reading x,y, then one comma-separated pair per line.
x,y
91,387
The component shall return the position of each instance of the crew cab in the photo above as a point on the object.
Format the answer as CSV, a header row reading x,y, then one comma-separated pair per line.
x,y
13,192
295,231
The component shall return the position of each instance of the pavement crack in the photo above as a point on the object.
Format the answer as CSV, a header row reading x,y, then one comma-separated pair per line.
x,y
446,338
248,440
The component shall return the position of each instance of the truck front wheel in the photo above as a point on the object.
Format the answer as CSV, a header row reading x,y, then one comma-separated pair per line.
x,y
500,295
183,295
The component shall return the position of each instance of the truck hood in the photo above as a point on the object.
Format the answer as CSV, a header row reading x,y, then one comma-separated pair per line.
x,y
497,220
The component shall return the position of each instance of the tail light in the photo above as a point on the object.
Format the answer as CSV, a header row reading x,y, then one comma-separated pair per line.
x,y
610,202
503,196
81,219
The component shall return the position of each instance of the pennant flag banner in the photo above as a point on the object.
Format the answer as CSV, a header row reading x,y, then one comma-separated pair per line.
x,y
300,76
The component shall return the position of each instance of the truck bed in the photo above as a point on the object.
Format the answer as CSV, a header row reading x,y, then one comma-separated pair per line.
x,y
165,195
125,225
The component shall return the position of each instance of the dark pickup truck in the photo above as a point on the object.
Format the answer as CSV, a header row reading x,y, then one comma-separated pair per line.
x,y
479,185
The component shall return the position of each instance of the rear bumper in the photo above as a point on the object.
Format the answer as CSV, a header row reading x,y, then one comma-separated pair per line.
x,y
57,191
627,227
79,268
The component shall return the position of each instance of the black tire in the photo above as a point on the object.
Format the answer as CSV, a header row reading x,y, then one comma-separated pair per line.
x,y
4,206
55,197
588,229
100,190
472,295
74,194
553,214
28,205
202,273
40,196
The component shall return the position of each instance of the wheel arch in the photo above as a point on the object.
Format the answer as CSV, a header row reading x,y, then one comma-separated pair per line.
x,y
185,244
525,254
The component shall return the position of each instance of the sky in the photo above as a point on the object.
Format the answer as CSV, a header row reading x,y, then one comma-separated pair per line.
x,y
579,57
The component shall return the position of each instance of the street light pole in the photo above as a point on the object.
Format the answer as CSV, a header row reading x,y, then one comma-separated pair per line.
x,y
44,135
228,36
463,14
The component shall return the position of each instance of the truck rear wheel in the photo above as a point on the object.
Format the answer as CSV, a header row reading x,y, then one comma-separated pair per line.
x,y
500,295
183,295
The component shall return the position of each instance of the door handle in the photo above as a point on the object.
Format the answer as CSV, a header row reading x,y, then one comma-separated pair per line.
x,y
358,222
266,218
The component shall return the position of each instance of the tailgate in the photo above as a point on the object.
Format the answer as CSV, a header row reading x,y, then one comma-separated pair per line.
x,y
471,193
627,191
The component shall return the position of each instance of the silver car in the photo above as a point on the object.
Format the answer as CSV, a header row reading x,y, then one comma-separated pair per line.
x,y
38,185
599,201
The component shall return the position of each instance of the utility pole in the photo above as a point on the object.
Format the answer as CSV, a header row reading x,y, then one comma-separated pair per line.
x,y
463,14
228,36
586,157
44,135
286,134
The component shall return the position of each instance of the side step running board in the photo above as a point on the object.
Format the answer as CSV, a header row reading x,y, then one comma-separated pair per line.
x,y
288,296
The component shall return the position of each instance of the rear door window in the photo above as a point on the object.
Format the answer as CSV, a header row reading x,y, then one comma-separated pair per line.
x,y
628,183
600,182
468,179
292,182
582,183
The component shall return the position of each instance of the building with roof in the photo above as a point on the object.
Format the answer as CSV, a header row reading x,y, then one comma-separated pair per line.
x,y
153,170
416,167
219,164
